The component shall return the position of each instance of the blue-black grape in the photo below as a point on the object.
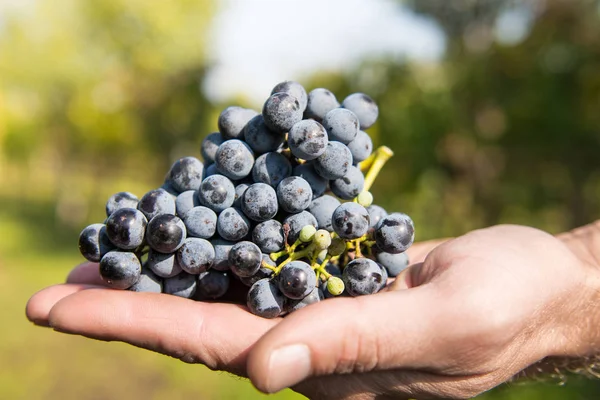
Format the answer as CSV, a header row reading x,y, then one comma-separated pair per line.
x,y
260,138
307,139
121,200
210,170
232,121
341,125
239,192
212,284
298,221
319,102
261,273
317,183
362,276
120,269
361,147
185,201
350,221
294,194
376,213
165,233
182,285
281,111
168,187
384,276
94,242
394,263
364,107
294,89
264,299
148,282
259,202
201,222
217,193
313,297
322,208
245,259
350,185
268,235
271,168
186,174
334,162
156,202
209,146
296,280
163,265
234,159
232,224
395,233
222,248
196,255
126,228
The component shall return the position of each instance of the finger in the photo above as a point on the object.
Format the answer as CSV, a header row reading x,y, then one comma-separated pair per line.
x,y
386,330
39,305
419,251
215,334
406,278
86,273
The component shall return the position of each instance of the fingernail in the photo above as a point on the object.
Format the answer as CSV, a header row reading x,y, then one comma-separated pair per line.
x,y
287,366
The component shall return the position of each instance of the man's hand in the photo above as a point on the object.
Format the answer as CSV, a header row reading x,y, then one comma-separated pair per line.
x,y
476,311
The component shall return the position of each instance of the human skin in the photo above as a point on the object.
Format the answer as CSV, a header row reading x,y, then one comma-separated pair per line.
x,y
466,316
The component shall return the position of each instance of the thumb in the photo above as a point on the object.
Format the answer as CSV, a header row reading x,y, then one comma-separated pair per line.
x,y
345,335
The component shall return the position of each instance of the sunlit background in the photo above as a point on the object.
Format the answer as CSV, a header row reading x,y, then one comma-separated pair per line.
x,y
492,108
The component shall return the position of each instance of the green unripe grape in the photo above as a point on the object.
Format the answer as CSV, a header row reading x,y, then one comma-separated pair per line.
x,y
335,285
322,255
322,239
365,198
307,233
337,247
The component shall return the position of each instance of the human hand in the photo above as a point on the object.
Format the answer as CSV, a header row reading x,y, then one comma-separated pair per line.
x,y
479,309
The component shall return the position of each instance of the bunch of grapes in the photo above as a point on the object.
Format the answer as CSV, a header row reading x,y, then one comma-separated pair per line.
x,y
280,203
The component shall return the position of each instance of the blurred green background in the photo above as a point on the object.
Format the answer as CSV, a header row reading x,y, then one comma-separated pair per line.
x,y
101,96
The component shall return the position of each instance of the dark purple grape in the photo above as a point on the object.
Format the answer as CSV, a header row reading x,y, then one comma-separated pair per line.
x,y
362,276
296,280
294,194
259,202
319,102
261,273
148,282
376,213
157,202
361,147
163,265
209,146
271,168
294,89
350,185
121,200
298,221
317,183
234,159
341,125
239,192
260,138
186,201
94,242
165,233
201,222
120,269
222,248
281,111
350,221
334,162
395,233
364,107
126,228
232,224
313,297
394,263
212,284
268,235
217,193
264,299
196,255
186,174
307,139
322,208
245,259
233,120
182,285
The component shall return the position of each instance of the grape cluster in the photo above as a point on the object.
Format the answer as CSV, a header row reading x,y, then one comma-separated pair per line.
x,y
281,202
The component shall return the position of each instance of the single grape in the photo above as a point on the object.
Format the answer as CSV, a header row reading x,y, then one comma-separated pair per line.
x,y
244,259
322,208
384,276
217,193
334,162
294,89
196,255
186,174
294,194
148,282
259,202
296,280
341,125
313,297
337,247
317,183
261,273
210,170
182,285
395,233
281,111
201,222
335,285
307,234
156,202
376,213
319,102
239,192
350,220
298,221
121,200
260,138
163,265
209,146
350,185
307,139
222,248
94,242
185,202
394,263
361,147
362,276
271,168
322,240
233,120
120,269
268,235
126,228
212,284
364,107
232,224
168,187
234,159
165,233
264,299
365,199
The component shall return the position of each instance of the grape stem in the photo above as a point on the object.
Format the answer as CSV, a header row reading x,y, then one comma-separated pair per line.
x,y
382,155
296,256
267,266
